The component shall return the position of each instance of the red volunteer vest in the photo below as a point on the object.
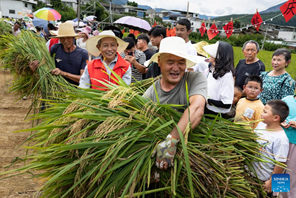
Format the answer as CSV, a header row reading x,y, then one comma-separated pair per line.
x,y
97,71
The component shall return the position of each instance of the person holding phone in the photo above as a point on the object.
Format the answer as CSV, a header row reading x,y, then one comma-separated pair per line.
x,y
136,58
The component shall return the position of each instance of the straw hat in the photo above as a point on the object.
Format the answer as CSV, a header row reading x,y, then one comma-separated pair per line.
x,y
199,48
91,44
176,46
212,49
65,30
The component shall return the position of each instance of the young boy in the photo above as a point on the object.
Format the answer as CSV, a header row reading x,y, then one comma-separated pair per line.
x,y
272,137
249,109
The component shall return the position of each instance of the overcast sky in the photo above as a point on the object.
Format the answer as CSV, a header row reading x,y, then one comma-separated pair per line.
x,y
213,7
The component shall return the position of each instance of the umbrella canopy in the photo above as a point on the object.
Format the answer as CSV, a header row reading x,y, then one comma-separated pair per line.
x,y
134,23
48,14
90,18
27,19
81,24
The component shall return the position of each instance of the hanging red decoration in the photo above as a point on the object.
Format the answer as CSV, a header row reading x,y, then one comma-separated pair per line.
x,y
155,24
228,29
131,31
202,29
173,31
213,31
136,33
256,20
168,33
288,9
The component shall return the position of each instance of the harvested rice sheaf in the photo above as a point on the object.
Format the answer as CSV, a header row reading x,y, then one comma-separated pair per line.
x,y
98,151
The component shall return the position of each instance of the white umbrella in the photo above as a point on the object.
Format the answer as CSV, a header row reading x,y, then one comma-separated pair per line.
x,y
81,24
134,23
90,18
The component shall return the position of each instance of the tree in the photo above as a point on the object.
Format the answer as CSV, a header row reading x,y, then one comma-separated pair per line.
x,y
132,3
66,12
236,24
99,10
39,5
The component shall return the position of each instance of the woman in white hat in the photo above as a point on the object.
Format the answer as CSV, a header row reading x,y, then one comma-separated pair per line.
x,y
106,47
220,78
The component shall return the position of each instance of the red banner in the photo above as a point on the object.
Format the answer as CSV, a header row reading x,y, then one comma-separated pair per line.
x,y
212,32
288,9
173,31
228,29
202,29
256,21
168,33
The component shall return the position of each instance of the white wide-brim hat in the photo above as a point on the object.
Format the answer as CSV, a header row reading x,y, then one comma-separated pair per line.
x,y
176,46
91,43
65,30
212,49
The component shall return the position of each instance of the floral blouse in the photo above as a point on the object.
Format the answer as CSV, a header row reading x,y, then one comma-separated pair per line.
x,y
276,87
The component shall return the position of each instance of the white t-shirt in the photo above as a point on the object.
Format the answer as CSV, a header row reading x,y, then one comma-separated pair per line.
x,y
80,43
201,66
275,145
221,89
190,49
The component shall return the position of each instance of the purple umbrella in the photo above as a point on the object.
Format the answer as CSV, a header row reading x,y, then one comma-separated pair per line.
x,y
134,23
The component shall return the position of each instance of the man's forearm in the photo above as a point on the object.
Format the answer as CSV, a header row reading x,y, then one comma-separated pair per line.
x,y
70,76
139,67
277,170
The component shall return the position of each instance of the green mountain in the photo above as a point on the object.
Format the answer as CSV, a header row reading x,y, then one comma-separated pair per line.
x,y
244,20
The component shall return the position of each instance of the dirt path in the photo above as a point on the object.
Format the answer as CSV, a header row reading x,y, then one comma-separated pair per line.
x,y
12,113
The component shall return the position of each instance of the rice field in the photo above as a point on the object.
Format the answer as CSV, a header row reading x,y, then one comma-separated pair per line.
x,y
265,57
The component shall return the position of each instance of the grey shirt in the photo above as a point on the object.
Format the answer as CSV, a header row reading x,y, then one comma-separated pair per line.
x,y
197,85
140,58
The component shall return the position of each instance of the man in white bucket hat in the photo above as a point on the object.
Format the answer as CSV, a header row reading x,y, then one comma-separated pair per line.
x,y
106,47
173,59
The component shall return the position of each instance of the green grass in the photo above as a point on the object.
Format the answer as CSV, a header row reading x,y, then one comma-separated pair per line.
x,y
265,57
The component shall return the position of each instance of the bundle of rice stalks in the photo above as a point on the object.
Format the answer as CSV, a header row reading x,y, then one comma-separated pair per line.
x,y
99,144
5,28
17,52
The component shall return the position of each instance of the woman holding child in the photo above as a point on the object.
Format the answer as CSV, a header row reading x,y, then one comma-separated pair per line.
x,y
277,83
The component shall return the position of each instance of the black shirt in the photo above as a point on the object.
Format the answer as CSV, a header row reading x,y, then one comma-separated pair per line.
x,y
71,62
243,70
148,53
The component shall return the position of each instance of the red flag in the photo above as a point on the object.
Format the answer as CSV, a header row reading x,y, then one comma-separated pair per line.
x,y
173,31
131,31
212,32
136,33
256,21
288,9
202,29
155,24
228,29
168,32
122,31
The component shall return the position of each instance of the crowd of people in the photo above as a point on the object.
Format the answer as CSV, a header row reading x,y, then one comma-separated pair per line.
x,y
203,73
